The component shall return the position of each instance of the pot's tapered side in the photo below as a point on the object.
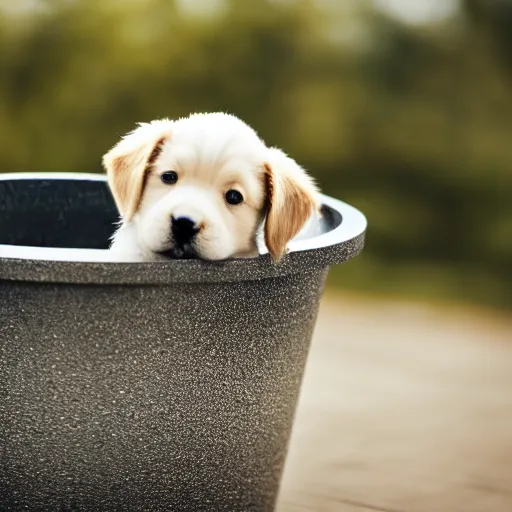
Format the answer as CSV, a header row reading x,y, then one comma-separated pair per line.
x,y
173,397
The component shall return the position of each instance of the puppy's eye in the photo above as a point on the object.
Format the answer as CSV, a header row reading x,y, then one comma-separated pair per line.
x,y
234,197
169,177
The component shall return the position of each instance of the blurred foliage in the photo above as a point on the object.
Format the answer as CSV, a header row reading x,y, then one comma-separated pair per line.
x,y
412,124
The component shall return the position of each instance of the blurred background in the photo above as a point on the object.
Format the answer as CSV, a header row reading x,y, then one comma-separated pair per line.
x,y
401,107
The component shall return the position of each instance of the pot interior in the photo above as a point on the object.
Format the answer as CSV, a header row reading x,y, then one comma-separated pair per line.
x,y
75,213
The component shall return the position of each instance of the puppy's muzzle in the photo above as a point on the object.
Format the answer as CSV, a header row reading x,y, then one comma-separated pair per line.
x,y
183,230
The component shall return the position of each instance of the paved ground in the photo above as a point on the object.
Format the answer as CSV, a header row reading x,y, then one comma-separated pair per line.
x,y
404,408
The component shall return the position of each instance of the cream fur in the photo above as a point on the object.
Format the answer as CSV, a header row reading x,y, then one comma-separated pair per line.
x,y
211,153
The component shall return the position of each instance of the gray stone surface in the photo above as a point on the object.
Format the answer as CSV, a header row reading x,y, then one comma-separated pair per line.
x,y
166,386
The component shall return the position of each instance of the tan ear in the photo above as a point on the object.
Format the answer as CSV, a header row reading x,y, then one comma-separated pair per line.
x,y
292,198
128,162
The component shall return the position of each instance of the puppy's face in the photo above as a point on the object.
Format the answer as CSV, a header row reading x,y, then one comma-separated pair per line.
x,y
204,193
201,186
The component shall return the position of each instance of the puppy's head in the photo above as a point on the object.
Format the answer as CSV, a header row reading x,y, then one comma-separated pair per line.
x,y
201,186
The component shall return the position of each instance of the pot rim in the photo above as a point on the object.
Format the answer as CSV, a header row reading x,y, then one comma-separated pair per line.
x,y
91,266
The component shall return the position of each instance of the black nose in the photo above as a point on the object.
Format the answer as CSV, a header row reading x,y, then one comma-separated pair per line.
x,y
183,229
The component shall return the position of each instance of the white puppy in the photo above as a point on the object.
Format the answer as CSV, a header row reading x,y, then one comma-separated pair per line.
x,y
200,187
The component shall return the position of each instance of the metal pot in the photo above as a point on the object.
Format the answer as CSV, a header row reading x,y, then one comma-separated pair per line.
x,y
146,386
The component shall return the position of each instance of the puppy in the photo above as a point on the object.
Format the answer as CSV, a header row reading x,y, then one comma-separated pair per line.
x,y
201,187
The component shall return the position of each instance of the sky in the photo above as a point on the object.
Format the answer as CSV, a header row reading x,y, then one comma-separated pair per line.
x,y
415,12
418,11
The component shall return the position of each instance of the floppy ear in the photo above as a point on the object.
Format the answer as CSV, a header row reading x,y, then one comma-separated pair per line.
x,y
292,198
128,162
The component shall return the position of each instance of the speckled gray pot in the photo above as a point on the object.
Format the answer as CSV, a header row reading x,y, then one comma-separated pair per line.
x,y
151,386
